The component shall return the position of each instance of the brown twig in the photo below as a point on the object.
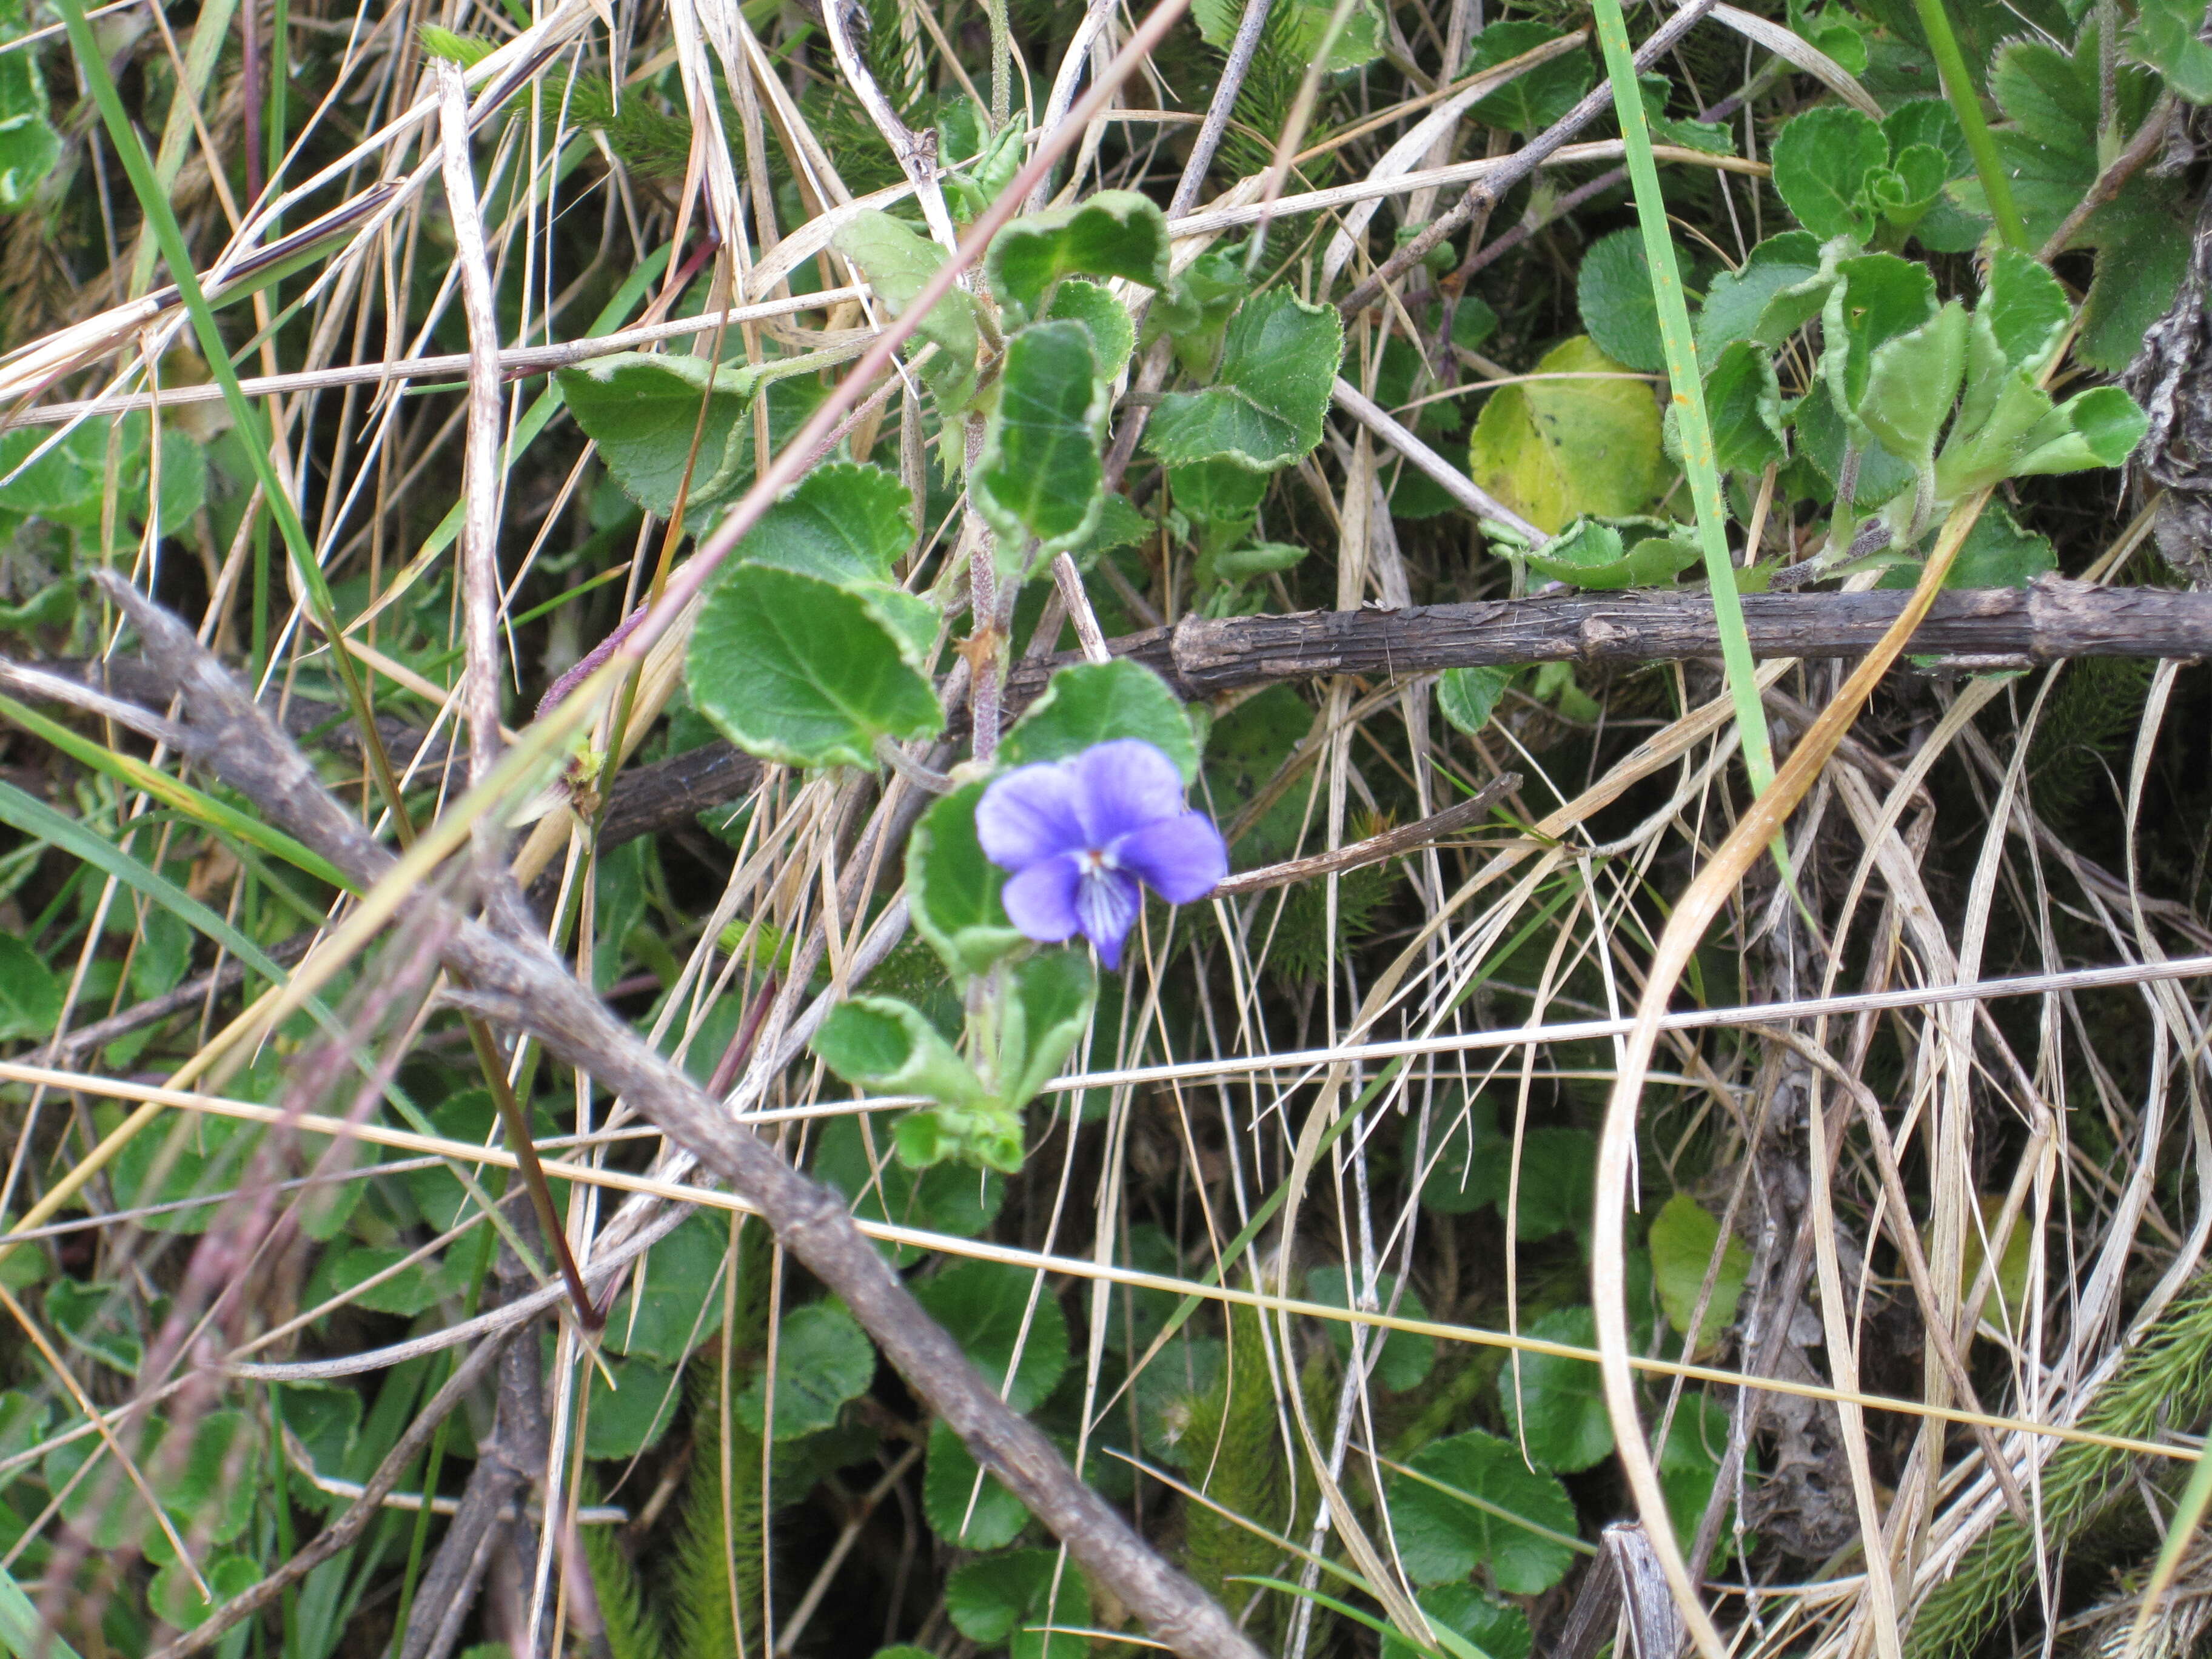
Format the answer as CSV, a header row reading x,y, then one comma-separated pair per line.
x,y
1388,845
2124,166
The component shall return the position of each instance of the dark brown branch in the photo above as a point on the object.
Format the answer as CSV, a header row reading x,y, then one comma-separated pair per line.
x,y
226,734
1388,845
2004,627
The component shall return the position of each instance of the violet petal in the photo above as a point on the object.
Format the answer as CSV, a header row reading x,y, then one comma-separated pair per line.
x,y
1033,812
1041,898
1182,858
1126,784
1106,903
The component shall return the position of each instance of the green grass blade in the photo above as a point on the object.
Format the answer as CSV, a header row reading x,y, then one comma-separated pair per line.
x,y
1959,90
1688,388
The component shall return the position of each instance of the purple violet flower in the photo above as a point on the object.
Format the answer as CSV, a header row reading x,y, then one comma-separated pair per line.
x,y
1080,833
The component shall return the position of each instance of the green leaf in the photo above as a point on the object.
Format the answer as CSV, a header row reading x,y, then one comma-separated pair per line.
x,y
1468,695
898,262
987,1517
983,1306
1684,1236
22,1632
1404,1360
30,146
623,1421
1265,408
1359,42
879,1043
210,1491
842,523
30,995
793,669
2020,320
1113,333
1492,1628
995,1602
1689,1461
1558,1183
1471,1166
1195,312
2143,254
952,889
1044,1019
1877,298
822,1359
1743,404
947,1199
1259,559
1531,101
1821,160
1040,473
52,606
1219,497
1113,233
675,1302
1495,1512
1088,703
406,1293
177,1599
1911,382
1599,555
195,1157
1556,449
986,1135
1613,288
643,412
98,1320
2166,35
1120,524
1555,1407
1996,553
1945,228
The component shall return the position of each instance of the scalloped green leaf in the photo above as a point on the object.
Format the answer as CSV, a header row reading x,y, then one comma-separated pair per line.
x,y
1597,556
1040,473
985,1306
1264,409
1613,288
1042,1021
1442,1536
1491,1627
2166,35
30,994
1822,160
1002,1601
1399,1360
30,146
1086,703
946,1199
1735,300
843,522
1113,331
794,669
1555,1406
1743,406
965,1506
1684,1236
952,889
880,1042
898,262
822,1359
1531,101
1113,233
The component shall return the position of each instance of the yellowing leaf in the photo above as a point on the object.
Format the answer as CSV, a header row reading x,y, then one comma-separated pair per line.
x,y
1555,450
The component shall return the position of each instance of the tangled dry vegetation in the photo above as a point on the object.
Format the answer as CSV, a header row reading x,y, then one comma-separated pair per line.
x,y
1689,1127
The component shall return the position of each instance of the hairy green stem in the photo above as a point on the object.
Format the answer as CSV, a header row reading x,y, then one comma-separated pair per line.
x,y
1688,390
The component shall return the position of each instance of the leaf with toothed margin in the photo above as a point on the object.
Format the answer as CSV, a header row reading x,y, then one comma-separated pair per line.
x,y
1114,233
1264,409
796,670
1040,473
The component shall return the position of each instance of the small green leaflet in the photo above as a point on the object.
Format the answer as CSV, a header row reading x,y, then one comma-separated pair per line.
x,y
898,262
1264,411
1533,100
1114,233
845,522
822,1359
1040,474
2165,36
1087,704
987,1308
30,146
1614,289
952,889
